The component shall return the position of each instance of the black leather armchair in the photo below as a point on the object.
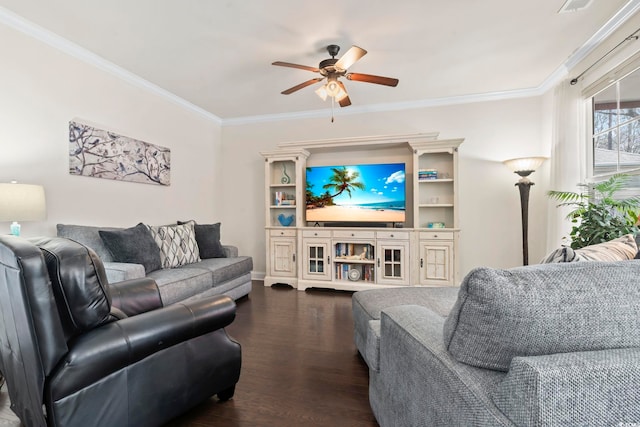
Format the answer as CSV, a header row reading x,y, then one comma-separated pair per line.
x,y
76,351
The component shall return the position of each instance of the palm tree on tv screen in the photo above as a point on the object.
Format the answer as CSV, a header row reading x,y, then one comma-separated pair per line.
x,y
342,181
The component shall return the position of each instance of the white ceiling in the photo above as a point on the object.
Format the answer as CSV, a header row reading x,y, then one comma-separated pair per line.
x,y
217,54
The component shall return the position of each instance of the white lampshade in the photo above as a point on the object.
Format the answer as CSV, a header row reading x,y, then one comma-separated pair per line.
x,y
21,202
524,166
331,89
322,92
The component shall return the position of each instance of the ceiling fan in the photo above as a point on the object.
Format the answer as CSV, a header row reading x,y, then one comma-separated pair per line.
x,y
332,69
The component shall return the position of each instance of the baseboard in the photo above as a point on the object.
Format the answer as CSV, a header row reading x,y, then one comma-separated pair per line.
x,y
258,275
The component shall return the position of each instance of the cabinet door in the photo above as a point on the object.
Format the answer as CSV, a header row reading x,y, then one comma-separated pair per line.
x,y
282,253
317,261
392,262
436,262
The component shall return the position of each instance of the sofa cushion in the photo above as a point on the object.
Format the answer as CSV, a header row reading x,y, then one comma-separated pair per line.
x,y
88,236
544,309
224,269
134,245
367,306
620,249
208,238
177,284
177,244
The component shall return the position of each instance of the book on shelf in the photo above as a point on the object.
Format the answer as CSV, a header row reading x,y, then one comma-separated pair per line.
x,y
427,174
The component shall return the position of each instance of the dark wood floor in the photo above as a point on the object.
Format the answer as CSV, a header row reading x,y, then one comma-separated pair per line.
x,y
299,364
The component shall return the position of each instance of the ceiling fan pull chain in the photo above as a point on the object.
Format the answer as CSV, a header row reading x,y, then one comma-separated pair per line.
x,y
333,101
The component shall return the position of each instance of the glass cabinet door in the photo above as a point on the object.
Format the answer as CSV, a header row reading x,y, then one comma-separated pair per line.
x,y
392,262
316,260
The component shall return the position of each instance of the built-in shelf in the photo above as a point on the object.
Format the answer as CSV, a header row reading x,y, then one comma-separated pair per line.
x,y
435,180
306,255
354,261
436,205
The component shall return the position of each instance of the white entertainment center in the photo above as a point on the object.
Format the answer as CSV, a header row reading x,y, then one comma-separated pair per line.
x,y
422,251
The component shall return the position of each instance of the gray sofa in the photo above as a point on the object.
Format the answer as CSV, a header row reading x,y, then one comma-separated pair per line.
x,y
544,345
229,275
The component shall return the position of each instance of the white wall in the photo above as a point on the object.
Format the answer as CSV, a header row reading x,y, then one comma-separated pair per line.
x,y
42,88
489,201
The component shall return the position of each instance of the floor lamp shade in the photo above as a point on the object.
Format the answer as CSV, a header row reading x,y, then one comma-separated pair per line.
x,y
21,202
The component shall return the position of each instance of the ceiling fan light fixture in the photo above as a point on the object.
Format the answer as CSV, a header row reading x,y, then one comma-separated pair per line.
x,y
341,95
333,88
322,92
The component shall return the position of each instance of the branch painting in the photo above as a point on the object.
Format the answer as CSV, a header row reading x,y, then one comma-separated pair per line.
x,y
103,154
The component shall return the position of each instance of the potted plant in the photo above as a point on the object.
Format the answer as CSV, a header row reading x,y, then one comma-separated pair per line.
x,y
598,217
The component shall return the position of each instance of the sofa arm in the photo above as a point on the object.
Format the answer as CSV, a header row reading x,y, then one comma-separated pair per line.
x,y
230,251
419,380
572,389
120,271
115,345
135,296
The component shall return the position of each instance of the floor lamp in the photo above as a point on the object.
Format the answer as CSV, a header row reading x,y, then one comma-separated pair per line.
x,y
21,202
524,167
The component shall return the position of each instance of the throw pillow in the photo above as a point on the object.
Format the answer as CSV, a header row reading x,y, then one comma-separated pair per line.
x,y
208,238
177,244
133,245
562,254
620,249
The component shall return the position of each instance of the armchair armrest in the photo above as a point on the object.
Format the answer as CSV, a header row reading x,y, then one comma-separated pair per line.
x,y
230,251
118,344
580,388
135,296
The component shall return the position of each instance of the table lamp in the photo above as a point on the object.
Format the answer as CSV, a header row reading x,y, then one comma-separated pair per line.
x,y
21,202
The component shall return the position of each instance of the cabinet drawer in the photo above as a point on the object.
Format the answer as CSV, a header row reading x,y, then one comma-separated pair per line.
x,y
316,233
282,233
436,235
354,234
393,235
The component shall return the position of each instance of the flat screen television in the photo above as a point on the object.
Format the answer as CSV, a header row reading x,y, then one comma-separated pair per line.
x,y
358,193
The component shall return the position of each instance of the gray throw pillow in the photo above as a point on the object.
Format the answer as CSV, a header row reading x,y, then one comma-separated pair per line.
x,y
134,245
208,239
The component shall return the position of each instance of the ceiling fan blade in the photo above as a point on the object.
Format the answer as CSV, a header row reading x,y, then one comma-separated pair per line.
x,y
301,85
350,57
369,78
344,102
302,67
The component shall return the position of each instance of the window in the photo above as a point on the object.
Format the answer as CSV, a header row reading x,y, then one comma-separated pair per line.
x,y
616,127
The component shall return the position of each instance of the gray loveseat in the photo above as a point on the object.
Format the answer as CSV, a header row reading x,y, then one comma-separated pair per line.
x,y
544,345
229,275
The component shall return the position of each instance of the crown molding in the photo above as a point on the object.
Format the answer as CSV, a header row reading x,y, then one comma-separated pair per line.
x,y
18,23
386,107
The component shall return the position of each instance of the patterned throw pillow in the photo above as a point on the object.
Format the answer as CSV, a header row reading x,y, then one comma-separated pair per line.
x,y
620,249
177,244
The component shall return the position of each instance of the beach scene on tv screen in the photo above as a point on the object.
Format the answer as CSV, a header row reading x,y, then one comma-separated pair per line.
x,y
356,193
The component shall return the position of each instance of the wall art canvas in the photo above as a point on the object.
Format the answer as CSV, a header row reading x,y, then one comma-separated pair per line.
x,y
104,154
